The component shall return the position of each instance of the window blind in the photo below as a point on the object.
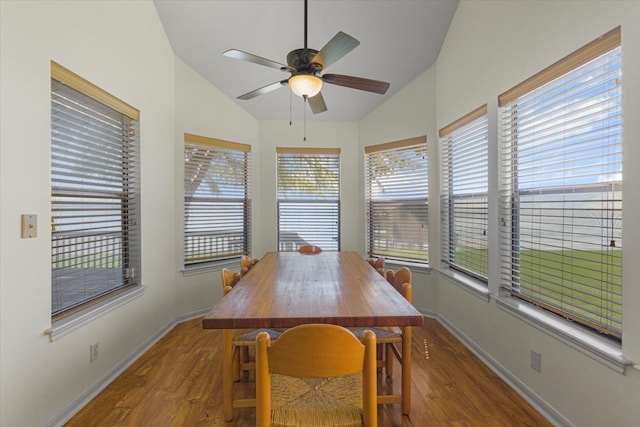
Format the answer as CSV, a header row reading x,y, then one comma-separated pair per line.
x,y
217,199
95,239
308,198
397,200
561,199
464,186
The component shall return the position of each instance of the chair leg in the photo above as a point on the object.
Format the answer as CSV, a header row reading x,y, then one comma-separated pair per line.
x,y
244,358
227,373
380,354
237,364
389,359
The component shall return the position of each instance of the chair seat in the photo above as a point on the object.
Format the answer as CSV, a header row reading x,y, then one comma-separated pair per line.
x,y
316,401
384,334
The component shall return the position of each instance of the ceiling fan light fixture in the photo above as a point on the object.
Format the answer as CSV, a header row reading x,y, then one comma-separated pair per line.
x,y
305,85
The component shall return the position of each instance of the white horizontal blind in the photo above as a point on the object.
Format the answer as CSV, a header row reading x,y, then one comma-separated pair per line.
x,y
308,198
217,199
561,200
95,238
397,199
464,203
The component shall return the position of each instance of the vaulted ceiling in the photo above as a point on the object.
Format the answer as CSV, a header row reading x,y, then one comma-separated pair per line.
x,y
399,40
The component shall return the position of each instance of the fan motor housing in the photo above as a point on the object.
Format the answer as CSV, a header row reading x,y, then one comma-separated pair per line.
x,y
300,60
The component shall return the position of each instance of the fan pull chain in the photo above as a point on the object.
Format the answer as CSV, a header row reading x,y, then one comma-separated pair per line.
x,y
289,108
304,116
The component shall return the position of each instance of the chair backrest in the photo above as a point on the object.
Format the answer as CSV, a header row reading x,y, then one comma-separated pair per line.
x,y
246,263
309,249
378,264
399,279
228,280
316,351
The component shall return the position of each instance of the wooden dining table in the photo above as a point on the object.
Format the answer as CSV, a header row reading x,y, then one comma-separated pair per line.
x,y
286,289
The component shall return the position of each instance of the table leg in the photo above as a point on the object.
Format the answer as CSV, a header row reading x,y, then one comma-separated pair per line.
x,y
227,373
406,370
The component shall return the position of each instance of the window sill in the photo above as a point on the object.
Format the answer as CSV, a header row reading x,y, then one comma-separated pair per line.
x,y
231,263
469,284
76,321
413,266
588,343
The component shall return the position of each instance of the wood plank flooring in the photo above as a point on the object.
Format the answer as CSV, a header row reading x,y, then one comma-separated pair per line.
x,y
178,382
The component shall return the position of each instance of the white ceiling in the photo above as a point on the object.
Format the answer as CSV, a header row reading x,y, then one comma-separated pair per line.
x,y
399,40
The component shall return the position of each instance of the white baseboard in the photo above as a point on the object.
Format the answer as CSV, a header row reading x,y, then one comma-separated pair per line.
x,y
518,386
192,315
87,395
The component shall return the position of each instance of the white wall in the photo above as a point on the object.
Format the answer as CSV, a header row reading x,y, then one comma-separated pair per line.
x,y
490,47
477,63
121,47
409,113
343,135
201,109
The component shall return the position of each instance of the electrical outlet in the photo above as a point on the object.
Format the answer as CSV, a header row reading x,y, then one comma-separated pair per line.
x,y
94,352
536,361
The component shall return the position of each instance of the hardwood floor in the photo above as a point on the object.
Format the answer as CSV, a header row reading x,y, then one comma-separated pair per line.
x,y
178,382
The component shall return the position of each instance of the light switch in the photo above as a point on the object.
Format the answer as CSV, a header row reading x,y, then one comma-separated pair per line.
x,y
29,226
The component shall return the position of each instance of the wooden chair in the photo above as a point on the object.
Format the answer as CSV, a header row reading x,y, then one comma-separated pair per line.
x,y
389,338
241,340
316,375
240,343
246,263
377,264
398,278
309,249
228,280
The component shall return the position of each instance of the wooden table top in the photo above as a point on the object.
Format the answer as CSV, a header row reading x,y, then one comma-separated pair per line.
x,y
286,289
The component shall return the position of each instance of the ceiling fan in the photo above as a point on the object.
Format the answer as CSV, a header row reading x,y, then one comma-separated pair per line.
x,y
306,65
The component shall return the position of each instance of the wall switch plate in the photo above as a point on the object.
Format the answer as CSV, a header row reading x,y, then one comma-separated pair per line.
x,y
29,226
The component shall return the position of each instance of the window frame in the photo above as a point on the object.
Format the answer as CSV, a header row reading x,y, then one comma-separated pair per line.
x,y
210,206
467,139
67,169
510,191
382,154
289,196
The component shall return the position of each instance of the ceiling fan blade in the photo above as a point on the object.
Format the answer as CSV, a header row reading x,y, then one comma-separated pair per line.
x,y
265,89
249,57
336,48
317,104
360,83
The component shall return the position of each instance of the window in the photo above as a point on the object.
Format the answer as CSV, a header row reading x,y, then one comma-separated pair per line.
x,y
561,199
397,194
95,237
308,198
464,181
217,202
